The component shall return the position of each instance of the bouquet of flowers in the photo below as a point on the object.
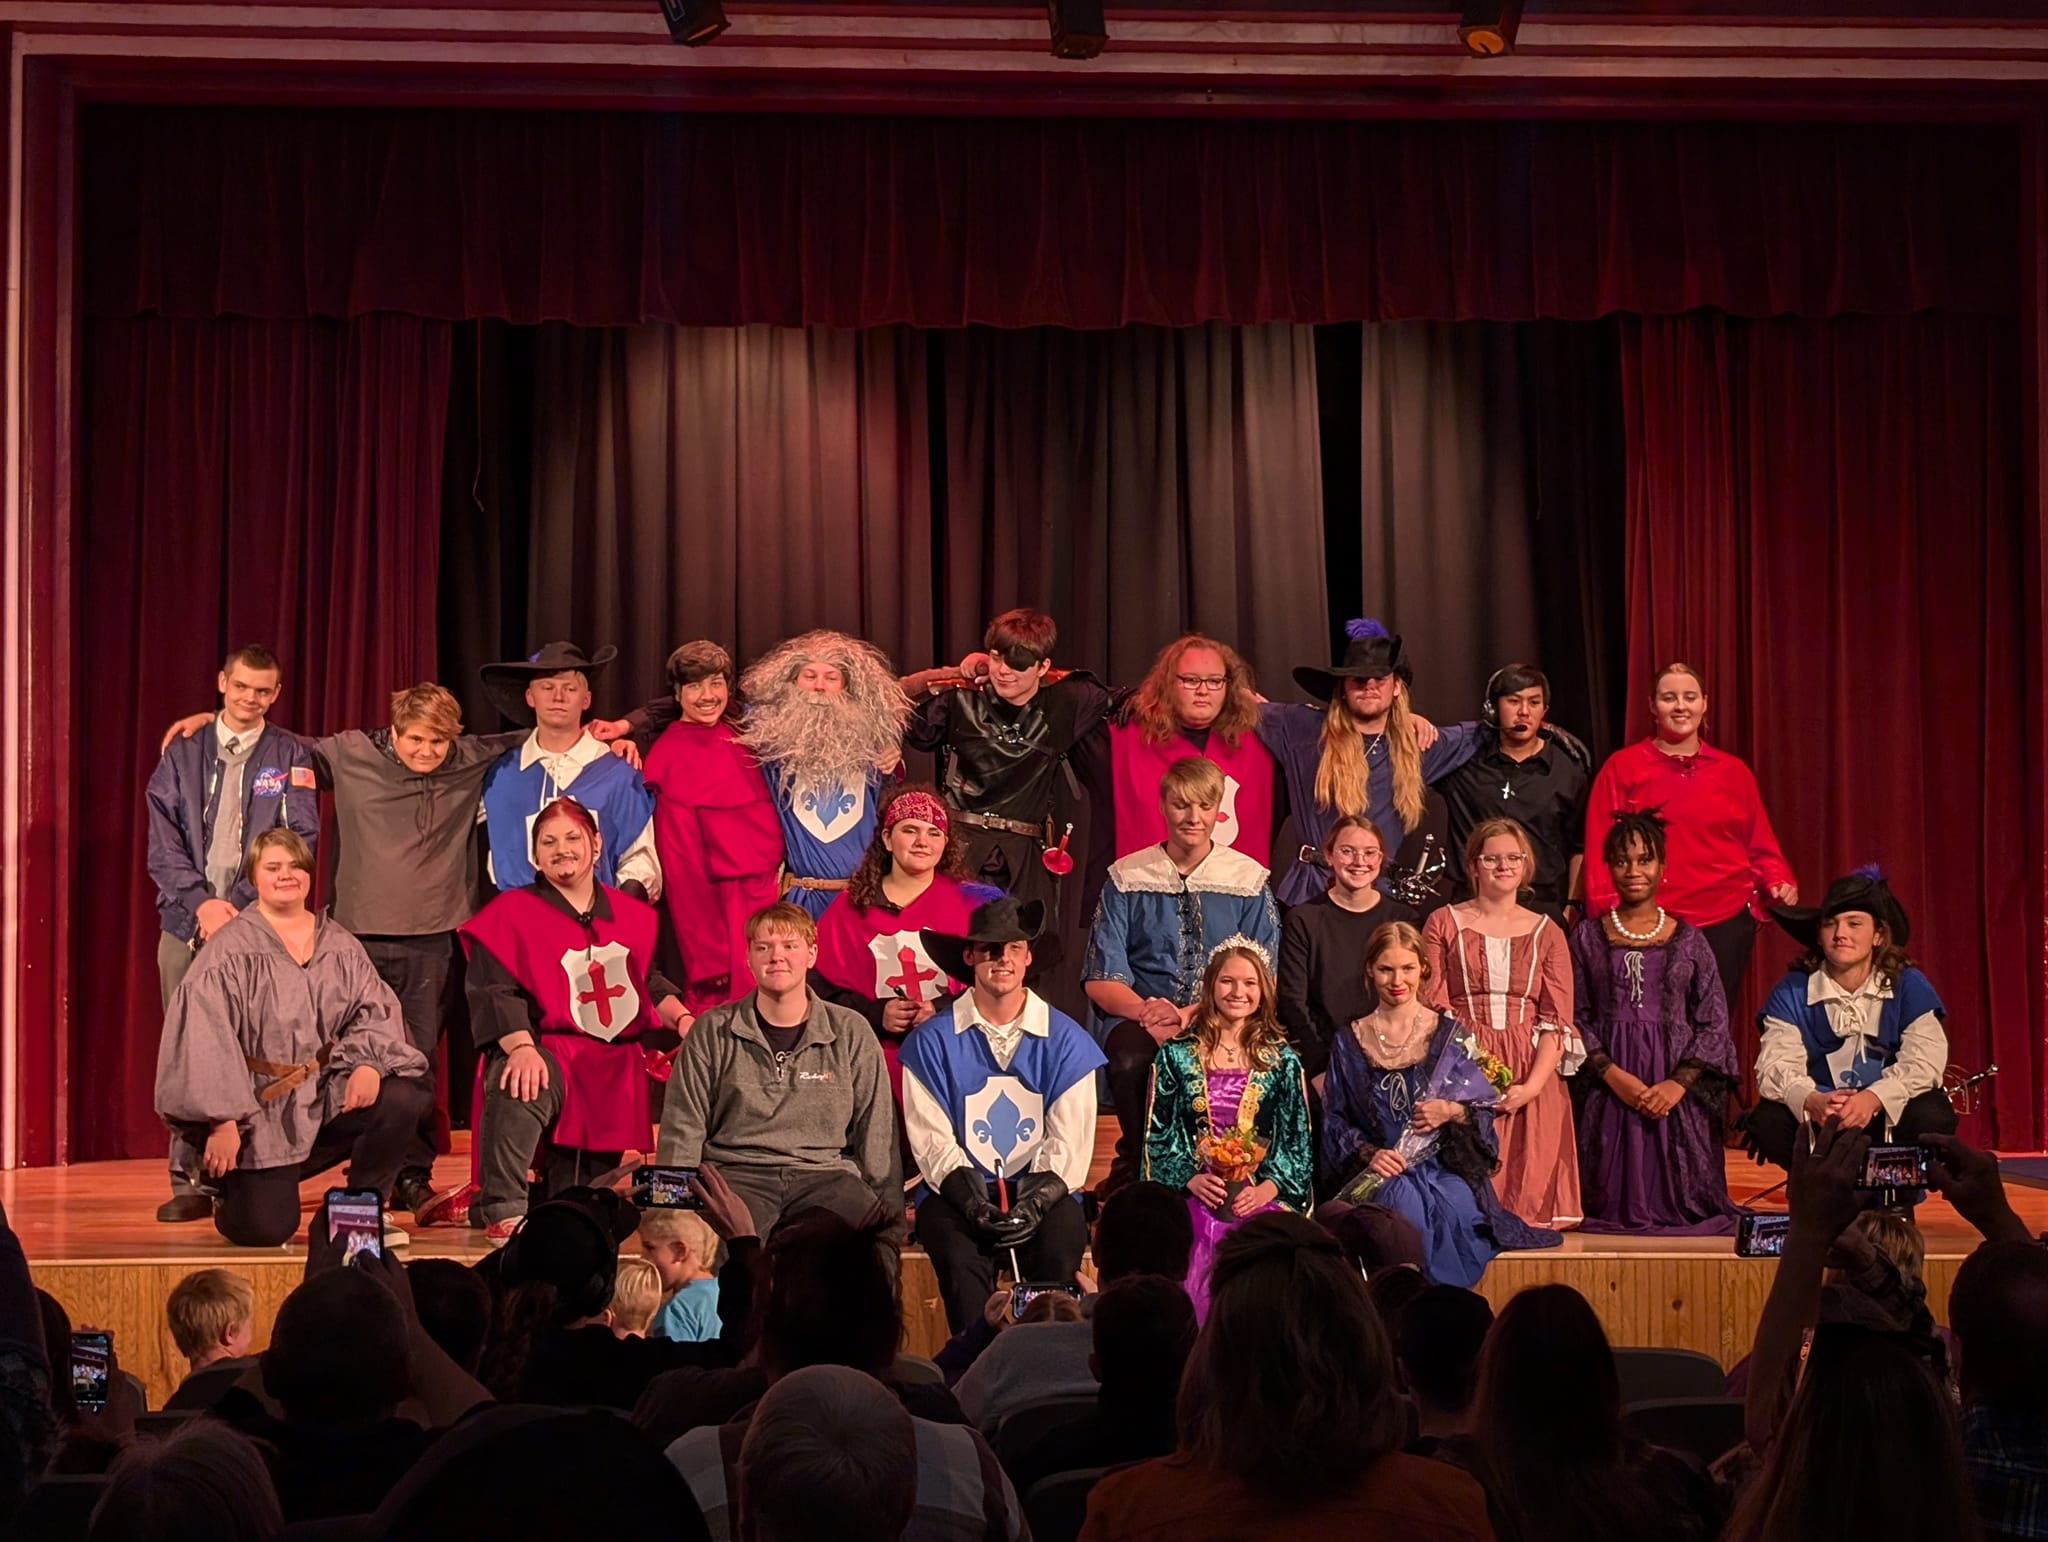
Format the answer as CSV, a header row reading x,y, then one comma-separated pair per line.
x,y
1234,1156
1464,1072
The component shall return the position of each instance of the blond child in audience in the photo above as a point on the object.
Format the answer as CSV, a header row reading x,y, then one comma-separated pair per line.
x,y
212,1315
680,1245
636,1292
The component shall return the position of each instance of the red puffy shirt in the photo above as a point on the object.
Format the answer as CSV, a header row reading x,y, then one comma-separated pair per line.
x,y
1719,846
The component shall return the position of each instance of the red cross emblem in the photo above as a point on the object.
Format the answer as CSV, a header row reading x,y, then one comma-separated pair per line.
x,y
603,1001
903,968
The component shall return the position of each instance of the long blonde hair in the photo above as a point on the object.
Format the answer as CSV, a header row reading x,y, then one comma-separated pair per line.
x,y
1341,770
1264,1038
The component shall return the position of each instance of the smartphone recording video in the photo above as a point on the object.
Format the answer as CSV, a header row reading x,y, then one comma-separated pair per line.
x,y
667,1188
92,1363
1896,1167
1761,1236
1024,1292
355,1219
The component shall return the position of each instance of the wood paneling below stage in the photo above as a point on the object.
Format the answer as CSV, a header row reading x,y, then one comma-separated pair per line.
x,y
93,1245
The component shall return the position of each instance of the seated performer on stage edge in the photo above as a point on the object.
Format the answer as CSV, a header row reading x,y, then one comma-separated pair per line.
x,y
999,1103
1162,910
561,984
825,720
1003,741
786,1094
715,828
283,1054
1854,1031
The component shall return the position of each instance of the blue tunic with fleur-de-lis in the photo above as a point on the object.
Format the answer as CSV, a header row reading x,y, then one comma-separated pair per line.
x,y
826,827
998,1114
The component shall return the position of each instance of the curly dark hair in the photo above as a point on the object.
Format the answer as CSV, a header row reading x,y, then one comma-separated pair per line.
x,y
864,888
1638,824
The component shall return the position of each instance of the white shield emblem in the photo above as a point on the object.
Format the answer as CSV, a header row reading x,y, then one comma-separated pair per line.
x,y
1226,814
1004,1119
829,809
903,968
602,998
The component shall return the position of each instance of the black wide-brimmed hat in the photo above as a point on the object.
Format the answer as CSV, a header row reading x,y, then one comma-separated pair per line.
x,y
1865,890
1372,651
999,921
506,683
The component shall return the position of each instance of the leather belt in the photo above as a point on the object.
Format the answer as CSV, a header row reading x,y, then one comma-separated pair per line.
x,y
1313,855
830,885
288,1074
996,822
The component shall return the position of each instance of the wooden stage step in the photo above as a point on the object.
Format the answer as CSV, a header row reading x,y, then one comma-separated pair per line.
x,y
93,1243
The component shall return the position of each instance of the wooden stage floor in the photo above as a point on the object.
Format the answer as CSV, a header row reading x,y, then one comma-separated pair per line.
x,y
94,1244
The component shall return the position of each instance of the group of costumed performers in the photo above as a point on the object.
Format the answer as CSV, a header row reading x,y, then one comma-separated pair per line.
x,y
1488,1076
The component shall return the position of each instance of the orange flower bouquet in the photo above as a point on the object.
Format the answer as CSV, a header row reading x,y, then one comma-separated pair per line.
x,y
1232,1155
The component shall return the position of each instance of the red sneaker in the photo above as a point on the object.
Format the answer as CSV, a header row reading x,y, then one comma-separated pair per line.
x,y
448,1207
498,1233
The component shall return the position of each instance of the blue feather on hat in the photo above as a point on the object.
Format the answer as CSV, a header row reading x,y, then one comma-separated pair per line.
x,y
1870,871
1359,631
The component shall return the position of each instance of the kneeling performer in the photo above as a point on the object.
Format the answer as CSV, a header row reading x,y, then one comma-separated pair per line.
x,y
561,985
284,1053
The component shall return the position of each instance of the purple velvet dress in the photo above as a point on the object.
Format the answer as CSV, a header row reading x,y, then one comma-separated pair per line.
x,y
1655,1012
1226,1090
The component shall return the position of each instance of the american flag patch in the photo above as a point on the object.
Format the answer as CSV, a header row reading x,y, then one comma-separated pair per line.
x,y
302,776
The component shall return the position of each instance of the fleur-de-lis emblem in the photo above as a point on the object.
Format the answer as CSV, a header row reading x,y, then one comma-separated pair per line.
x,y
1004,1128
829,801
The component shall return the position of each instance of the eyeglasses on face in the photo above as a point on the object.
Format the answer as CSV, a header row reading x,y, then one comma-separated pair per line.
x,y
1501,864
1203,682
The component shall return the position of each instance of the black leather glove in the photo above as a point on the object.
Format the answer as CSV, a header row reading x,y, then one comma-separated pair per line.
x,y
1036,1194
965,1191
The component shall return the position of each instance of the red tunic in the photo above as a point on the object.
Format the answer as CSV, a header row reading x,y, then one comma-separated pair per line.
x,y
1245,822
1719,845
591,987
720,845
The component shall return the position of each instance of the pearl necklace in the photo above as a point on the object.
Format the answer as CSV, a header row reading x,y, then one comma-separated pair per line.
x,y
1614,917
1396,1046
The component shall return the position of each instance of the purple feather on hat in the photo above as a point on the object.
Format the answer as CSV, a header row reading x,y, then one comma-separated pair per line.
x,y
1870,871
1359,631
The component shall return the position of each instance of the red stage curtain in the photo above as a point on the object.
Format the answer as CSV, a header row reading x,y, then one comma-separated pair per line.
x,y
274,482
613,218
1824,517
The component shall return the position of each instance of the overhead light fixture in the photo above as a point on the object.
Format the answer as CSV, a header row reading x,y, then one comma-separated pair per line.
x,y
694,22
1078,28
1487,29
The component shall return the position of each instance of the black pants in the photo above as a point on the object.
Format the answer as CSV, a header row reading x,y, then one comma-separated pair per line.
x,y
1731,942
966,1263
1131,1051
259,1206
421,973
1774,1127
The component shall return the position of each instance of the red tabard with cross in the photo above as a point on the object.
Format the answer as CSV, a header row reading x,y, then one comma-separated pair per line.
x,y
876,951
591,985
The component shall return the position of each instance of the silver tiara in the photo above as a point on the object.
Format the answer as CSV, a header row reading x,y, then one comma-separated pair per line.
x,y
1250,945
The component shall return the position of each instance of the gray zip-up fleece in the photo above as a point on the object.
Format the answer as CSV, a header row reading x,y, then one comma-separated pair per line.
x,y
827,1105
